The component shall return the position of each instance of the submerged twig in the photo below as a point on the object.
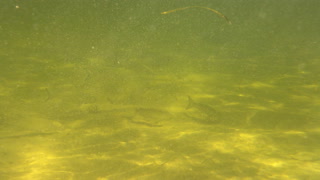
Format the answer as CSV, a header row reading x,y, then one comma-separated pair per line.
x,y
210,9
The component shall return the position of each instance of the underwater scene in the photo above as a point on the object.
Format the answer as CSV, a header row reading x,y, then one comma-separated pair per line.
x,y
159,90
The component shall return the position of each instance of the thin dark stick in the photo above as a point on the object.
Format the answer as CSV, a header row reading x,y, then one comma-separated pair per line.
x,y
210,9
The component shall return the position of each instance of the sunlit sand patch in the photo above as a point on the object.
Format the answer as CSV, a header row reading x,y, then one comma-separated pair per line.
x,y
306,163
285,77
257,85
244,95
293,132
303,72
102,178
204,96
276,105
271,106
177,108
300,97
311,86
241,142
146,163
182,134
99,157
181,162
276,163
148,160
259,107
221,146
261,85
175,164
247,142
231,103
43,162
234,103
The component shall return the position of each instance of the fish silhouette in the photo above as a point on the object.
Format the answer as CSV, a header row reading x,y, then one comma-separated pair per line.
x,y
202,113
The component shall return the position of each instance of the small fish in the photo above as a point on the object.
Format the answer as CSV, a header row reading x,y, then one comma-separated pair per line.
x,y
201,112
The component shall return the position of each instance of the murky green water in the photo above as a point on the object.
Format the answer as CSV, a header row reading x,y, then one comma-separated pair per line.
x,y
117,90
